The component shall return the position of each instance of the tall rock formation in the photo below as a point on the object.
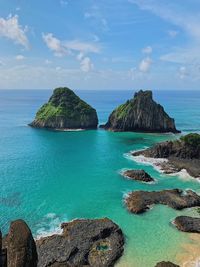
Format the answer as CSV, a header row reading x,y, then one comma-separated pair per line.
x,y
141,113
65,110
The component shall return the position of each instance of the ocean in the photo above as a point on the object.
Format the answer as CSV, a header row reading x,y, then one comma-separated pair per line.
x,y
48,177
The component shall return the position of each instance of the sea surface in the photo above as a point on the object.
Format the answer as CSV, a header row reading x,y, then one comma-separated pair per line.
x,y
47,177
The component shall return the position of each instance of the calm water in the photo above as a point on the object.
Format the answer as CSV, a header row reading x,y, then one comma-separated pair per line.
x,y
48,177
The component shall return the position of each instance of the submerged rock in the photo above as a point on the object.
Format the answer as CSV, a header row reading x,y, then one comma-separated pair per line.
x,y
96,243
65,110
187,224
141,201
166,264
20,246
138,175
181,154
141,113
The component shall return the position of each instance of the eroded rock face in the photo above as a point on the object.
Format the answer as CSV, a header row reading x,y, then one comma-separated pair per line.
x,y
65,110
138,175
187,224
166,264
96,243
20,246
140,201
141,113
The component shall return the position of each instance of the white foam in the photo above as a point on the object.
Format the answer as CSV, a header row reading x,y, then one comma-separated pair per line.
x,y
70,130
49,225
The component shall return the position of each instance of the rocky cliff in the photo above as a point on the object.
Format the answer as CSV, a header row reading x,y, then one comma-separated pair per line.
x,y
96,243
141,113
65,110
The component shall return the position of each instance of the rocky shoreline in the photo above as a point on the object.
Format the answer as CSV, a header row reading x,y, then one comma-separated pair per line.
x,y
140,201
177,155
95,243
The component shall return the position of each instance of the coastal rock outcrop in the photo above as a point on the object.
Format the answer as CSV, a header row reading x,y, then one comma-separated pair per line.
x,y
20,246
96,243
141,113
141,201
183,153
65,110
166,264
187,224
138,175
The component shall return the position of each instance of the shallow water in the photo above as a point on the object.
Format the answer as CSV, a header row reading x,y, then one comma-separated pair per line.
x,y
49,177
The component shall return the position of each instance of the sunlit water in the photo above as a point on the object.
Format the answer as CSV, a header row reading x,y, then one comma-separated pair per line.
x,y
49,177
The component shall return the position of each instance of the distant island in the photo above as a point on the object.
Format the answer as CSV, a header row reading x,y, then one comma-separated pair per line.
x,y
65,110
141,114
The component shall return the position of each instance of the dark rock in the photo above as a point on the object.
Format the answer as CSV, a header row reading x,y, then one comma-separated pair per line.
x,y
65,110
140,201
141,113
96,243
20,246
187,224
181,154
138,175
166,264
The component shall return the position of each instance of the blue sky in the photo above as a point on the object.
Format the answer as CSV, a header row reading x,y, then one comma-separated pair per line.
x,y
105,44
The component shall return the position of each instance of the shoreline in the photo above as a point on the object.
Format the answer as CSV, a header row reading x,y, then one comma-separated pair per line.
x,y
162,165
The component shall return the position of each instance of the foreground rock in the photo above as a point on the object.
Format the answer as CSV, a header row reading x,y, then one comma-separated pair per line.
x,y
65,110
138,175
141,113
187,224
141,201
96,243
181,154
20,246
166,264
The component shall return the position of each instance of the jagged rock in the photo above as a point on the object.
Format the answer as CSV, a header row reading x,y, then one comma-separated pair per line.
x,y
187,224
141,113
181,154
65,110
140,201
20,246
166,264
96,243
138,175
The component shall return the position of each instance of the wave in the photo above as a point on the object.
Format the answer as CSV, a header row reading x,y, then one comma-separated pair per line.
x,y
49,225
161,165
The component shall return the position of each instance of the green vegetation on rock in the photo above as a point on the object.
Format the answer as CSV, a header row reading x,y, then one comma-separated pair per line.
x,y
192,139
65,110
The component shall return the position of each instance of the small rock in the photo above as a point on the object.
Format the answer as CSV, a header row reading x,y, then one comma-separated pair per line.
x,y
187,224
166,264
138,175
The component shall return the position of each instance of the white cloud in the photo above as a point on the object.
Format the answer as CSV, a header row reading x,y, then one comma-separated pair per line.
x,y
54,44
61,48
20,57
145,64
86,65
11,29
147,50
183,72
47,61
172,33
64,2
173,13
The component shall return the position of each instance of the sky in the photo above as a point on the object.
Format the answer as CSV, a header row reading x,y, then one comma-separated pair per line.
x,y
100,44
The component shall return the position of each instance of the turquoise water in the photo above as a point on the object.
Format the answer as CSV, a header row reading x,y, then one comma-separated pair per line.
x,y
49,177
